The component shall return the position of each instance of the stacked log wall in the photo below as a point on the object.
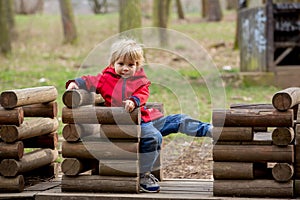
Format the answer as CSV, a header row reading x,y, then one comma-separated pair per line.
x,y
28,119
257,149
101,147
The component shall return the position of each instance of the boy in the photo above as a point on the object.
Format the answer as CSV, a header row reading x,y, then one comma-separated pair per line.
x,y
124,83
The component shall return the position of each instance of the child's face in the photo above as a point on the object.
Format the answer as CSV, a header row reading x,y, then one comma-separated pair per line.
x,y
125,68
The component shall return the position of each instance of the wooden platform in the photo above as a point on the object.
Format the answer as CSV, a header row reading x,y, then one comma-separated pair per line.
x,y
170,189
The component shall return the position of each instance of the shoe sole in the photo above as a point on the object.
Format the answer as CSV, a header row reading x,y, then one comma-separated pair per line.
x,y
148,191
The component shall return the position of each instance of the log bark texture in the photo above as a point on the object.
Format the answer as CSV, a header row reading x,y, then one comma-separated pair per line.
x,y
286,99
252,118
129,168
12,184
297,162
11,117
29,129
252,106
74,166
283,172
100,115
253,153
297,188
96,183
232,133
233,170
30,161
21,97
100,150
13,151
120,131
297,134
41,110
253,188
283,136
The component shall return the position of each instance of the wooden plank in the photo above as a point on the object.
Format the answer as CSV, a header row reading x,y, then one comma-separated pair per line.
x,y
21,97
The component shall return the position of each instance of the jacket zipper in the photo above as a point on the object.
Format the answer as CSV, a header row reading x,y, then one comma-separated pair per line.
x,y
123,89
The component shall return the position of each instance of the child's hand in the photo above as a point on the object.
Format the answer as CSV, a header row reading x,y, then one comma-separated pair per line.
x,y
72,85
129,105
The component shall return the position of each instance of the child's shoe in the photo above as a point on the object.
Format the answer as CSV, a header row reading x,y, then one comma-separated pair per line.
x,y
148,183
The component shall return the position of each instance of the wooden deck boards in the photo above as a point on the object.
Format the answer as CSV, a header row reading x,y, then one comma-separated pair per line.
x,y
177,189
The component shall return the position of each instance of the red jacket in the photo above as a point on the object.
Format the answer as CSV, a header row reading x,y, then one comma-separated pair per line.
x,y
115,89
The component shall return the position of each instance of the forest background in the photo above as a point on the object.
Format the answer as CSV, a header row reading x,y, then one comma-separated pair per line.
x,y
41,48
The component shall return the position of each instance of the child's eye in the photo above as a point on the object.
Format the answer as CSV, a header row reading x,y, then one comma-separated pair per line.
x,y
131,65
120,63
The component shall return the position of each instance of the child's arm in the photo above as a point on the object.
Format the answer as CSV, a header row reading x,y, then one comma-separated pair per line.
x,y
88,83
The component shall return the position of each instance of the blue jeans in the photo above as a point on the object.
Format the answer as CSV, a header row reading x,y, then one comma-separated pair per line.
x,y
152,133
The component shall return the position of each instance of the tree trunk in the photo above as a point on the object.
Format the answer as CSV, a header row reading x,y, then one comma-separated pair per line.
x,y
161,10
130,16
5,40
213,11
67,16
232,4
180,12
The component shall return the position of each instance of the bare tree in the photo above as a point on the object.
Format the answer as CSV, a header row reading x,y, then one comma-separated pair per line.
x,y
5,40
98,6
67,16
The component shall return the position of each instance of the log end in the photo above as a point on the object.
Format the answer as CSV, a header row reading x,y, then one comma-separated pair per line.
x,y
9,167
282,101
9,133
71,99
8,99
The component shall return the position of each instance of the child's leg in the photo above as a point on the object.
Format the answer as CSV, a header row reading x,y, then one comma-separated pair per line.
x,y
150,145
184,124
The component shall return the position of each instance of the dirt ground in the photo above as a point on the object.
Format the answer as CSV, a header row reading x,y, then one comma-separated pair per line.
x,y
188,158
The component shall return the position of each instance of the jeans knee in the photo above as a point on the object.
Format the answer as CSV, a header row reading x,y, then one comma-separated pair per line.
x,y
151,143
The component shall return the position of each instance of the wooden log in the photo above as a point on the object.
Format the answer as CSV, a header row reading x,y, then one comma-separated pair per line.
x,y
41,110
120,131
128,168
11,117
100,150
74,132
96,183
233,170
49,141
283,172
100,115
286,99
21,97
29,129
13,151
12,184
297,134
253,153
232,133
297,188
252,106
254,118
76,98
46,172
253,188
283,136
297,162
157,105
30,161
74,166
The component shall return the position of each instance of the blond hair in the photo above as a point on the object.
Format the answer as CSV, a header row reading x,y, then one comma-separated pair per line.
x,y
128,50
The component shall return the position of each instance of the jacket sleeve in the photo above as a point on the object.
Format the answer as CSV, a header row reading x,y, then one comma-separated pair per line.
x,y
89,83
141,95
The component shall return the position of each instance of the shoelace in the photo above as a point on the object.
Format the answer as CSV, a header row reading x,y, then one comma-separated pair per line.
x,y
152,179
